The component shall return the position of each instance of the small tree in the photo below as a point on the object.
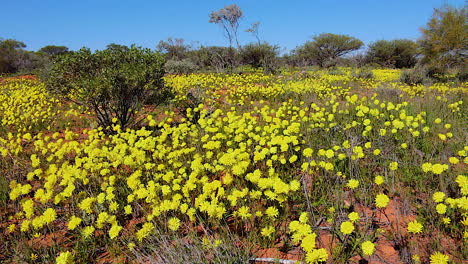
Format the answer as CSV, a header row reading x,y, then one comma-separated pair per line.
x,y
11,51
254,31
174,49
445,37
326,48
14,59
113,83
53,50
228,18
399,53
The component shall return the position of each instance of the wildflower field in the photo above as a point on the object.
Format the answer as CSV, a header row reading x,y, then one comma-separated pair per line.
x,y
310,166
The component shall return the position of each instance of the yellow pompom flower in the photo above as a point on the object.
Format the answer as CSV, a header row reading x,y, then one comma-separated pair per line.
x,y
267,231
64,258
438,197
317,256
307,152
368,248
173,223
74,222
441,208
114,231
415,227
381,200
304,217
379,180
272,211
439,258
353,184
393,166
346,228
87,231
353,216
308,242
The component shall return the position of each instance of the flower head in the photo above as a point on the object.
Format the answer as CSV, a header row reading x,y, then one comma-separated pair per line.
x,y
381,200
438,197
439,258
173,223
353,184
64,258
415,227
368,248
353,216
346,228
379,180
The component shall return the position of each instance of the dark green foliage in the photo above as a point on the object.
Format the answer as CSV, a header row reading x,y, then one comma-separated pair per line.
x,y
326,48
399,53
15,60
113,83
261,55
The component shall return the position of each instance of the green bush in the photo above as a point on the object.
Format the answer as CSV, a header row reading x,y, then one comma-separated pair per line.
x,y
414,76
114,83
362,73
261,55
184,66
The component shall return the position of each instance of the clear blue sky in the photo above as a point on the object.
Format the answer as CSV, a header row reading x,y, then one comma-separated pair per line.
x,y
96,23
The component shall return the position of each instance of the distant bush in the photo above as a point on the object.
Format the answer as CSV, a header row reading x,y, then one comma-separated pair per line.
x,y
261,55
114,82
184,66
335,71
398,53
243,69
363,73
219,59
325,49
462,74
418,75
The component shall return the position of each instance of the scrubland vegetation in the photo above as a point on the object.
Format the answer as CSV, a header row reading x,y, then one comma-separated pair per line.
x,y
127,155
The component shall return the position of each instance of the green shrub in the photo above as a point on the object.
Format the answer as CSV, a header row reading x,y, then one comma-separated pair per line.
x,y
362,73
335,71
113,83
414,76
261,55
184,66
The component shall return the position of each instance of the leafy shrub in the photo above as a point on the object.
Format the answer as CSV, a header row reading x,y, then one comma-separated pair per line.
x,y
216,58
414,76
335,71
363,73
462,74
260,56
184,66
398,53
113,82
